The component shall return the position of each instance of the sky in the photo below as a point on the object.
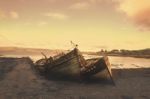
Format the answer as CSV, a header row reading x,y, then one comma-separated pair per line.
x,y
92,24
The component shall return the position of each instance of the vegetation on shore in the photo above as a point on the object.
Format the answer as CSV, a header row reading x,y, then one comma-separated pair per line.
x,y
143,53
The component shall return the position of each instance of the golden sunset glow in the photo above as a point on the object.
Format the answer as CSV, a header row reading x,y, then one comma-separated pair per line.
x,y
92,24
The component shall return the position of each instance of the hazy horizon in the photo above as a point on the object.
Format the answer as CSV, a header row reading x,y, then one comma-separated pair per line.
x,y
92,24
69,48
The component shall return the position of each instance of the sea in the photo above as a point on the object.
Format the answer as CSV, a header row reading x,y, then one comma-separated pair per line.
x,y
115,61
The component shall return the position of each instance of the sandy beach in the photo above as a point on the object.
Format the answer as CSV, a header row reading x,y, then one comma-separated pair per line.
x,y
19,80
58,49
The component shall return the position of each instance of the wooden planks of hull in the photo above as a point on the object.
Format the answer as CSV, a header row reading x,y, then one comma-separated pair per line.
x,y
74,65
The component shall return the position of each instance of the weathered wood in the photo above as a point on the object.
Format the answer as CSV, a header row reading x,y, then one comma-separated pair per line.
x,y
97,65
67,65
74,65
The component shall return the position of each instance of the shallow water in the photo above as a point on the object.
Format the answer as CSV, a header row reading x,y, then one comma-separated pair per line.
x,y
129,62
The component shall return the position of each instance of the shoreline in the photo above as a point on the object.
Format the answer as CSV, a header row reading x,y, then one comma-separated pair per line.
x,y
117,55
20,80
134,56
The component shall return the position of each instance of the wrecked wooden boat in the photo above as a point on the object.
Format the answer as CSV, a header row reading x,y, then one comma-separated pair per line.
x,y
97,65
67,65
73,65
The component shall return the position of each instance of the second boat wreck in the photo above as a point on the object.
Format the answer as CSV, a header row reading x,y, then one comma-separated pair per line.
x,y
73,65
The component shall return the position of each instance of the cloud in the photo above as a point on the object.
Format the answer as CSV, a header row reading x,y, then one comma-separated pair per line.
x,y
2,14
14,15
142,19
42,23
80,5
9,14
56,15
93,1
138,11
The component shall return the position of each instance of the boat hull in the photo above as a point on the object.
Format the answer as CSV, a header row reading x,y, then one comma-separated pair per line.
x,y
67,66
96,66
73,65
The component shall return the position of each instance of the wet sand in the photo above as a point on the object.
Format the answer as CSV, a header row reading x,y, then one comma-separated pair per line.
x,y
19,80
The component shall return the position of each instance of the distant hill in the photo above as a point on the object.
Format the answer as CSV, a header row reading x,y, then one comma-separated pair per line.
x,y
143,53
26,51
